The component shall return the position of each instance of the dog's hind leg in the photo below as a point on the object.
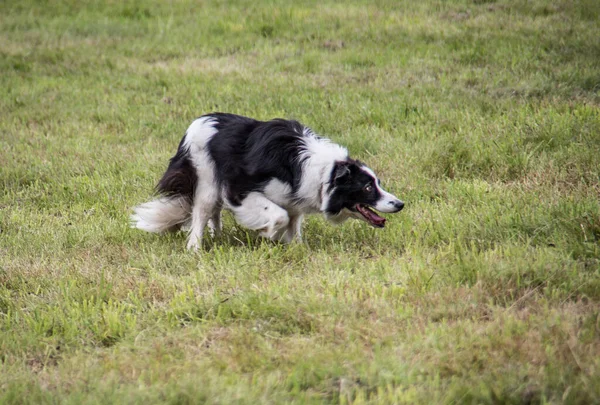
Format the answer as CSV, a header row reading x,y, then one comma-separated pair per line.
x,y
205,205
202,211
199,220
258,213
206,192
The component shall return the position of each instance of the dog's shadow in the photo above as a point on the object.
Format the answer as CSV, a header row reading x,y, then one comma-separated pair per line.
x,y
318,236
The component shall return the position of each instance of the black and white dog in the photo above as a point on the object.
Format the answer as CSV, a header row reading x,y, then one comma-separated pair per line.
x,y
268,174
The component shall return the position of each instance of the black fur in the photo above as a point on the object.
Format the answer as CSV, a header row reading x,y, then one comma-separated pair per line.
x,y
349,183
251,153
181,178
240,157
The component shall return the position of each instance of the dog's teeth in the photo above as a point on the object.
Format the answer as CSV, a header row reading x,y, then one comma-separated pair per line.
x,y
285,172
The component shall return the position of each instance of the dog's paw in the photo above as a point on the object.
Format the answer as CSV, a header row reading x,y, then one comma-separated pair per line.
x,y
214,230
276,226
193,244
186,226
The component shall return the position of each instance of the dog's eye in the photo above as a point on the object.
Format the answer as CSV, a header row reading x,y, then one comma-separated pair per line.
x,y
368,188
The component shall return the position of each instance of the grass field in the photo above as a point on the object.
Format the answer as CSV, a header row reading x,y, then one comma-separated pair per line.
x,y
483,116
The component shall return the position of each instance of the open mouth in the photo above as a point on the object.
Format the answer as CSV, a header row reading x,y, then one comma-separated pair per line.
x,y
370,216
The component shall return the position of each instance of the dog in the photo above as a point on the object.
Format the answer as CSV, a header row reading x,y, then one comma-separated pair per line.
x,y
269,174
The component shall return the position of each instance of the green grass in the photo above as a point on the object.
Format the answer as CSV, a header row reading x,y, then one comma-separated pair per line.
x,y
482,115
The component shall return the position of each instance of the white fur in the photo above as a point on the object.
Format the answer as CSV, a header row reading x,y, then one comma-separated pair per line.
x,y
387,201
207,206
275,213
278,192
260,214
319,157
199,133
161,215
292,231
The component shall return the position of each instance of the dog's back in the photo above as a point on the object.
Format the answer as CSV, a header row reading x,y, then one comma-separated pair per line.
x,y
229,156
267,173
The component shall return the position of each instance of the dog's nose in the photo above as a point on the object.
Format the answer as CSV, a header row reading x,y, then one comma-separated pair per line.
x,y
398,205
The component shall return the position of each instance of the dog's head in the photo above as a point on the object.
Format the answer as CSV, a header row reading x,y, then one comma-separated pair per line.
x,y
353,190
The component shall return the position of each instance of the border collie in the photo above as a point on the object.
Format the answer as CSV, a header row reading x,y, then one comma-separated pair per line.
x,y
268,174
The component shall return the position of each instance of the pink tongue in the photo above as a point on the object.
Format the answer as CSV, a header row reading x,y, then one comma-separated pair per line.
x,y
370,215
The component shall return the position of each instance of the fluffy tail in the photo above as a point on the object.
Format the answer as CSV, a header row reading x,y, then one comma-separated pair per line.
x,y
161,215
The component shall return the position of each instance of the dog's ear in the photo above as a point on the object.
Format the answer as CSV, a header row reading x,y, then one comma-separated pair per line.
x,y
341,172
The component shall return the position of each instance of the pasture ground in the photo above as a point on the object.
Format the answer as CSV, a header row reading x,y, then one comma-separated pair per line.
x,y
482,115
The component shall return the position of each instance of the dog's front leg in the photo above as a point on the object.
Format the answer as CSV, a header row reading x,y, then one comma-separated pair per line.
x,y
298,228
293,230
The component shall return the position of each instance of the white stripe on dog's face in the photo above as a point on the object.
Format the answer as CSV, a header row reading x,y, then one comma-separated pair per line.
x,y
387,202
